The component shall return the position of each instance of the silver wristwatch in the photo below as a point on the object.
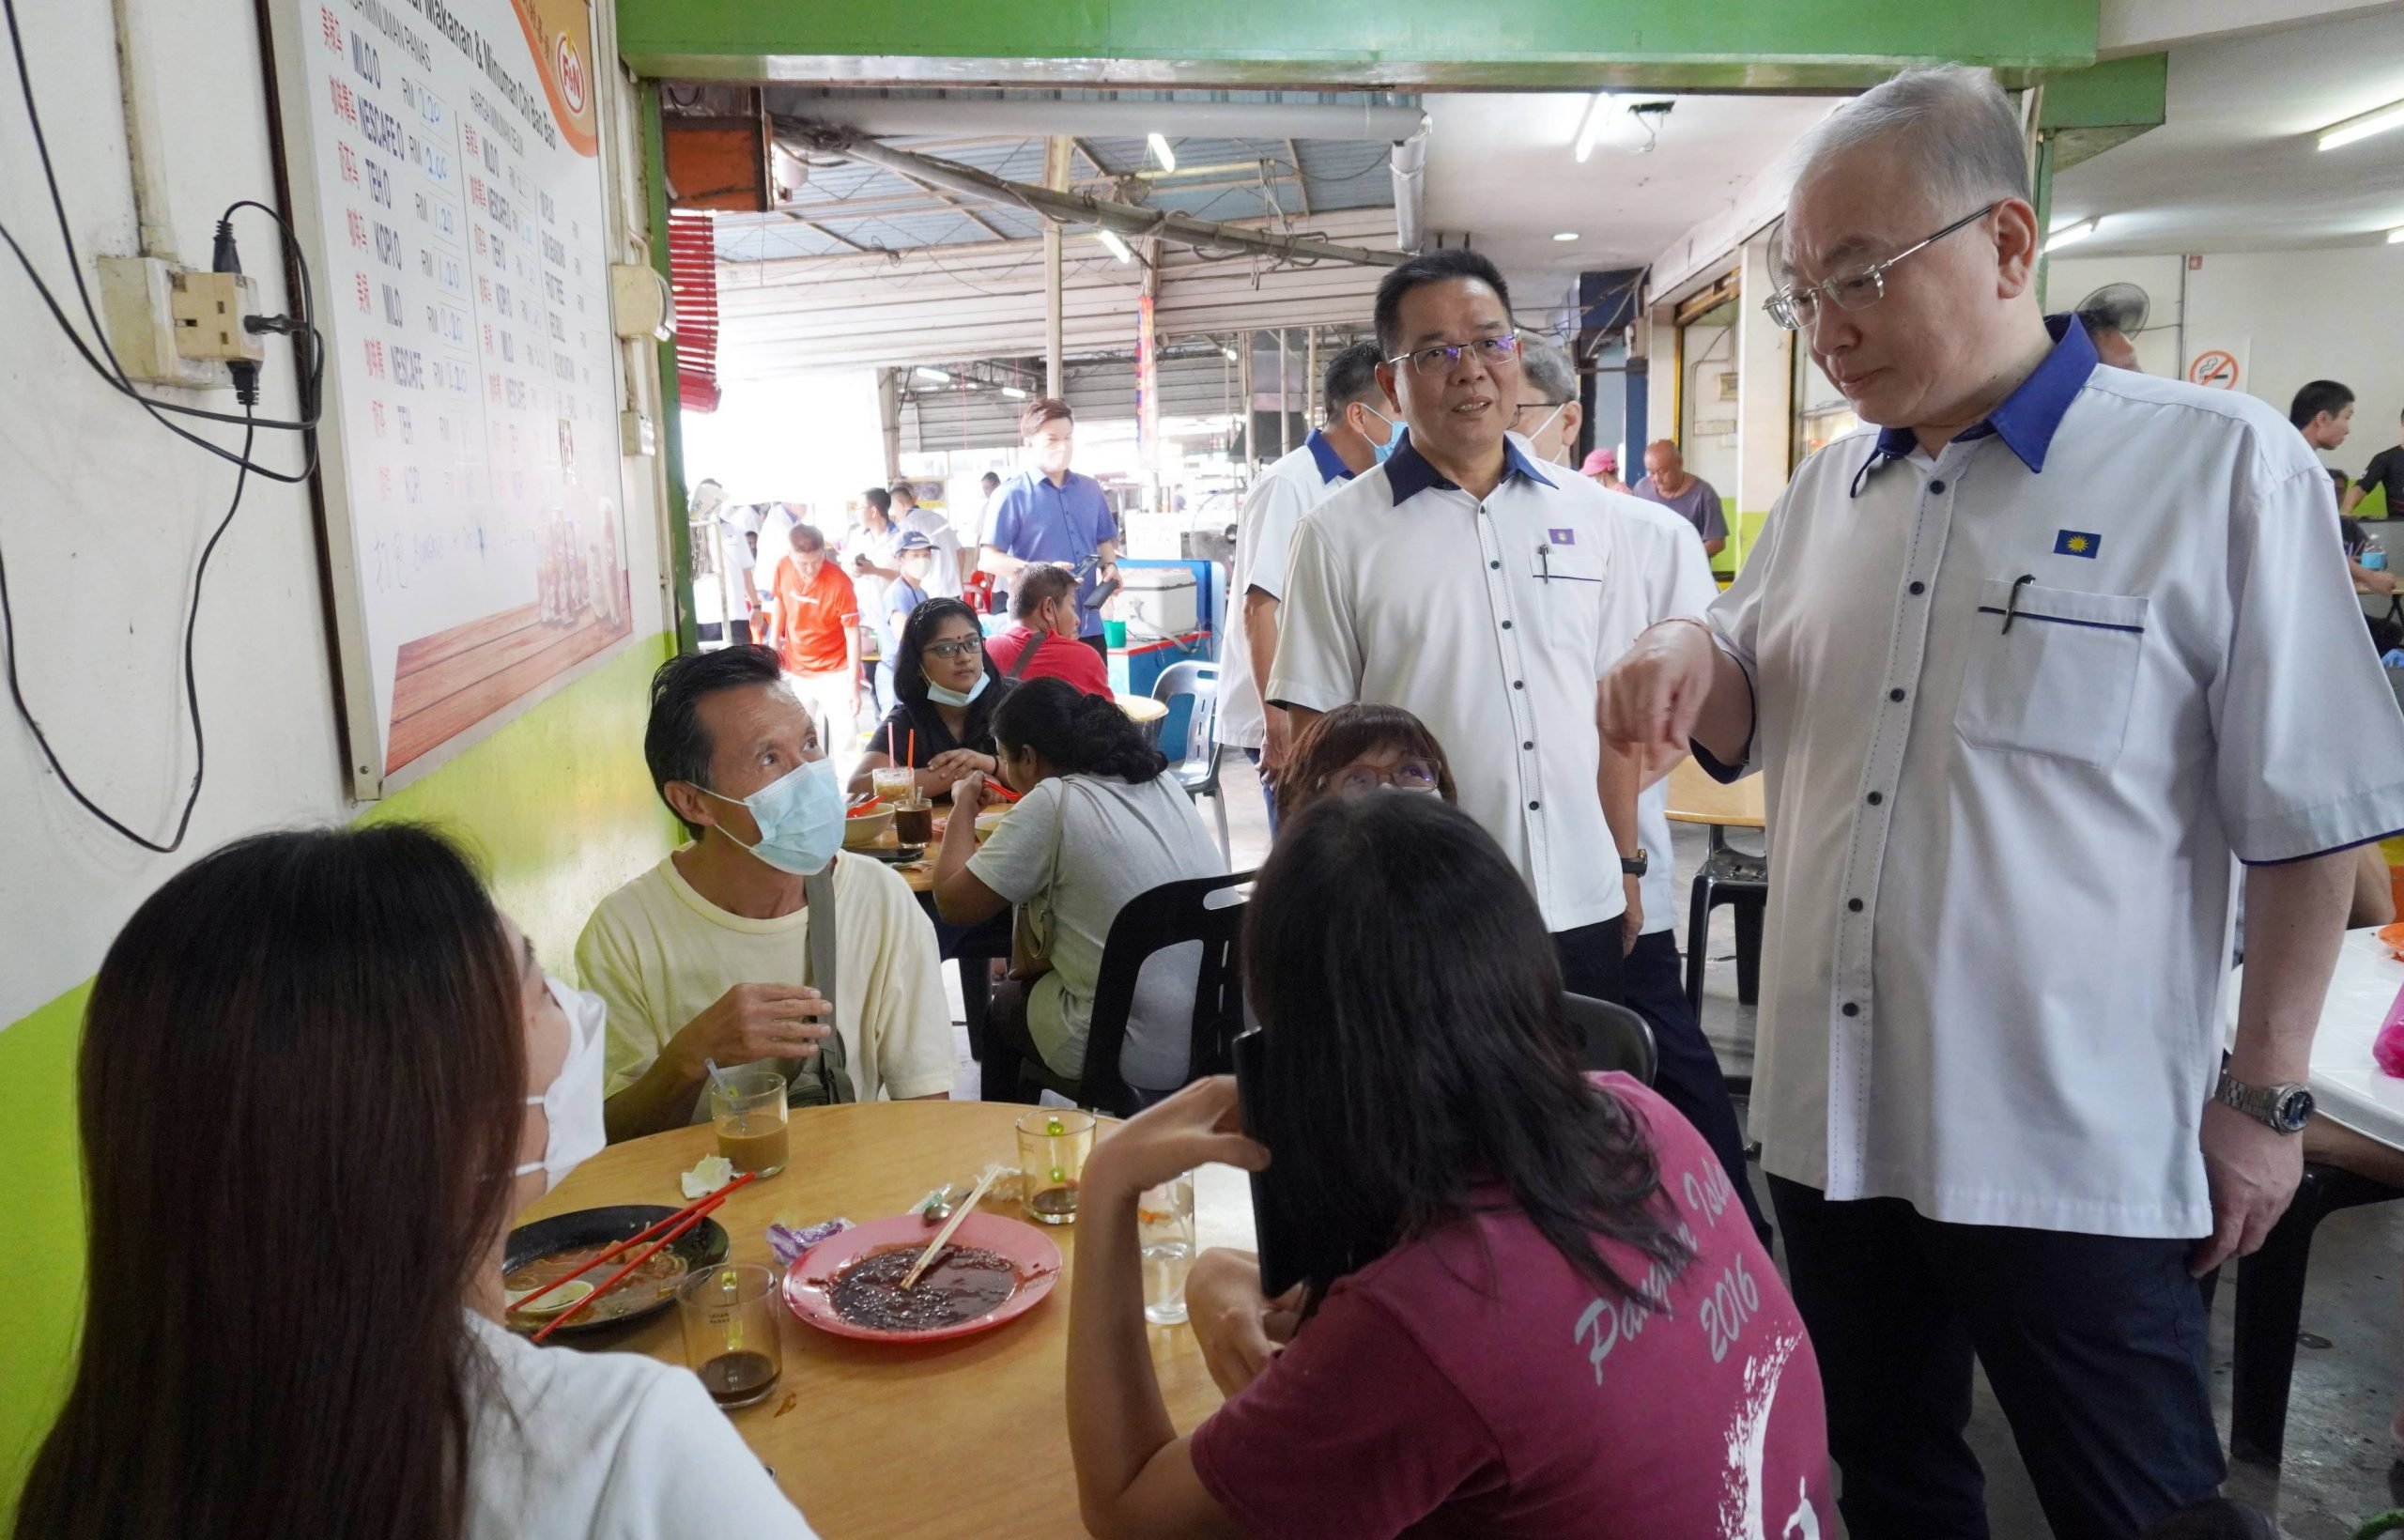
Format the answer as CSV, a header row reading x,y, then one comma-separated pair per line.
x,y
2285,1107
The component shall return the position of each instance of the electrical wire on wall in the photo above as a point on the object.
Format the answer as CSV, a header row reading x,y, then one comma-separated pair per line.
x,y
104,363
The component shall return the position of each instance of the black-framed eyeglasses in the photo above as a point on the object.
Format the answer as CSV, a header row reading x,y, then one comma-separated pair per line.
x,y
1526,407
1799,306
1407,775
961,647
1445,356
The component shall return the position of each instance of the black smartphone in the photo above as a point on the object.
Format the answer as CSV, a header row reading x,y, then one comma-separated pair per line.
x,y
1273,1221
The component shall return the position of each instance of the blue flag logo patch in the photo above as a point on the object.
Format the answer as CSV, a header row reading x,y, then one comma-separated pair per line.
x,y
1563,537
2077,543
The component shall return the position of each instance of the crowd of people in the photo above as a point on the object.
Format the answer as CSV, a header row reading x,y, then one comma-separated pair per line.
x,y
2034,668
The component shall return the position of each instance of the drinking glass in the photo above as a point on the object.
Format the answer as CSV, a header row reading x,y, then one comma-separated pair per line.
x,y
1052,1143
893,784
731,1332
1164,1228
751,1131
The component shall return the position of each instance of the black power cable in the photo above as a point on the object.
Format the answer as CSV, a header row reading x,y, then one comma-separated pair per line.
x,y
113,373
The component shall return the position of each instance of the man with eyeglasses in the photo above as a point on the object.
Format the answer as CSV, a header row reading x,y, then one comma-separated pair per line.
x,y
1359,431
1466,584
2026,661
1675,577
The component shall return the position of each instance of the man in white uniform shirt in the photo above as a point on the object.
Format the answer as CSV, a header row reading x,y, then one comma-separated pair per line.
x,y
2026,661
1674,575
944,578
1361,431
1464,585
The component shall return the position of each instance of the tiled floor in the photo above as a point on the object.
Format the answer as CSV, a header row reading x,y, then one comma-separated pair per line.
x,y
2339,1467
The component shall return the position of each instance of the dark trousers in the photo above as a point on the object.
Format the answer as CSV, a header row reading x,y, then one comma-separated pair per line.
x,y
1688,1077
1268,790
1592,960
2094,1346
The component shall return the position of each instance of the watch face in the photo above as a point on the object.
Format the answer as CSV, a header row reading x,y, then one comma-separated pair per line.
x,y
2294,1109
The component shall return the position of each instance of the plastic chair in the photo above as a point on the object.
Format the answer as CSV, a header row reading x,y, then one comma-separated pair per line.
x,y
1728,876
1171,914
1198,771
1615,1036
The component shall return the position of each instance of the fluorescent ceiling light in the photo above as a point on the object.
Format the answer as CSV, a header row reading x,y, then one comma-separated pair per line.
x,y
2395,237
1564,235
1118,245
2377,120
1589,128
1161,151
1231,354
1013,393
2070,234
935,374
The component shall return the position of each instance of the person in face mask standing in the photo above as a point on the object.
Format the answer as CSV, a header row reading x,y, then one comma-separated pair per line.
x,y
1362,429
1675,577
450,1083
717,954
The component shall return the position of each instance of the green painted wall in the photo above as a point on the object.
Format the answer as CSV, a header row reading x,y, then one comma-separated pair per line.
x,y
560,809
1761,43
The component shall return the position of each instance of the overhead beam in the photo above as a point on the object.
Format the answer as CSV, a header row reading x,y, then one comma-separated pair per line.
x,y
954,204
1059,207
1091,158
1302,188
815,228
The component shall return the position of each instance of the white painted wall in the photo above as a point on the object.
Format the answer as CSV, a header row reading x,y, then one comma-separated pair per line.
x,y
2315,315
104,513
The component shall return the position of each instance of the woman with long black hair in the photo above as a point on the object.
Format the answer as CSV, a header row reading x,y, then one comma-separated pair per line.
x,y
946,692
319,1073
1099,823
1529,1304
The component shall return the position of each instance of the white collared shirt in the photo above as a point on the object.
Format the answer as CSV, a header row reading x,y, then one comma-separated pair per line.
x,y
1297,482
2014,724
1674,576
943,576
1491,620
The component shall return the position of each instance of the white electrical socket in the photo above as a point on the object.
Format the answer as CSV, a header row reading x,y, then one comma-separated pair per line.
x,y
208,308
137,305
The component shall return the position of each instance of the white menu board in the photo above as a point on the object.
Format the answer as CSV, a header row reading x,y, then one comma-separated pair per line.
x,y
444,159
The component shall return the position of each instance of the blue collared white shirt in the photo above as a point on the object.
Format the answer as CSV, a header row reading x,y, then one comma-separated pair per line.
x,y
2018,704
1491,620
1297,482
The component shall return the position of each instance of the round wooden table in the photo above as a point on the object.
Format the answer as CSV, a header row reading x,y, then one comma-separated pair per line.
x,y
967,1437
1696,798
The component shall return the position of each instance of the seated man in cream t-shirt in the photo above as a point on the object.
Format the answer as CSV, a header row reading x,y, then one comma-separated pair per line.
x,y
706,955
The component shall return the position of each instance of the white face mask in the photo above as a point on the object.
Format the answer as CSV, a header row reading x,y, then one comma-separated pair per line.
x,y
572,1103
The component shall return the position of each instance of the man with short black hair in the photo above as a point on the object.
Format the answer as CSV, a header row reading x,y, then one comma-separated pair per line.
x,y
720,951
1463,583
1361,430
2386,473
1043,644
1052,515
2323,412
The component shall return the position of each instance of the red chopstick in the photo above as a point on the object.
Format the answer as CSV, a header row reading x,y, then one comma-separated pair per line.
x,y
701,1212
1000,791
694,1209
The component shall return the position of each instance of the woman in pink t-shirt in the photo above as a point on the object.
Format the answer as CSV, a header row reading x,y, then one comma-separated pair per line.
x,y
1530,1304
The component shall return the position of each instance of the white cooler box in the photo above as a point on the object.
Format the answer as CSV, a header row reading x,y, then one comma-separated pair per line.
x,y
1155,602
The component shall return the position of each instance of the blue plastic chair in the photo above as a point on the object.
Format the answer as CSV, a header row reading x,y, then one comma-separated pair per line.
x,y
1198,771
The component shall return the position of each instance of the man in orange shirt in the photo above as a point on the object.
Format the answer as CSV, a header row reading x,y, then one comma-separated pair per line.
x,y
814,625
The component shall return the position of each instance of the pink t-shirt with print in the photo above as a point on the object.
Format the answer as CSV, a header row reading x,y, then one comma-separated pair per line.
x,y
1418,1403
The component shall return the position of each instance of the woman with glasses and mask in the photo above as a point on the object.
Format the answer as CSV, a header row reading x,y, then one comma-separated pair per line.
x,y
944,691
320,1074
1519,1300
1362,749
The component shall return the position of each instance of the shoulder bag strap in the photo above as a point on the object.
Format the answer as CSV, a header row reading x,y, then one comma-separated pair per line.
x,y
832,1064
1035,640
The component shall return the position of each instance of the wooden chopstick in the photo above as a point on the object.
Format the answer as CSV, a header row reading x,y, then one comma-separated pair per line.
x,y
944,1235
701,1205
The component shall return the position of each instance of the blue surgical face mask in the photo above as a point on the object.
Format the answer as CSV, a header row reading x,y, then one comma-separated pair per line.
x,y
800,817
1394,436
953,697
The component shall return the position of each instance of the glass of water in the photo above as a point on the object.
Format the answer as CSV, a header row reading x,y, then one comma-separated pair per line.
x,y
1164,1228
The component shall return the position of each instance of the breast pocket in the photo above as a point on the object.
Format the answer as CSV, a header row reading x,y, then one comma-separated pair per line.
x,y
2060,680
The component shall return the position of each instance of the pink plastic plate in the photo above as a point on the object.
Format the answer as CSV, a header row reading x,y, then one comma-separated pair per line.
x,y
1028,1248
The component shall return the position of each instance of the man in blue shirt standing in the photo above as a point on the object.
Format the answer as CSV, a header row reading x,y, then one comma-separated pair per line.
x,y
1048,515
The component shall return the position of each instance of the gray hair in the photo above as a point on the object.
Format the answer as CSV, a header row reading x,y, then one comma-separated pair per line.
x,y
1953,119
1548,368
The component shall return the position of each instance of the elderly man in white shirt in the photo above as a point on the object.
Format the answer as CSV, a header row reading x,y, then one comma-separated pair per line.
x,y
1674,576
1465,585
2025,663
1361,431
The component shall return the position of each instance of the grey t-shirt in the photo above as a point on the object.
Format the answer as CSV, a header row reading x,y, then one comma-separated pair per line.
x,y
1699,505
1086,845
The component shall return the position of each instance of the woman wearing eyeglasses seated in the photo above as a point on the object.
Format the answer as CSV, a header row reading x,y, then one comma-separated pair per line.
x,y
1529,1306
944,691
1361,749
320,1074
